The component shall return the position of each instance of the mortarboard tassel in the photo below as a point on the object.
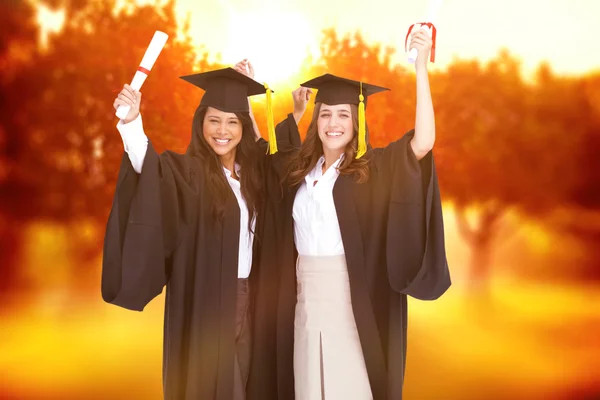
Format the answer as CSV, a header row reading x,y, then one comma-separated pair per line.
x,y
362,130
270,125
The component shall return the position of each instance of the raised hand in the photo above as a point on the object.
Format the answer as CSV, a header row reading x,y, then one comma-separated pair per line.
x,y
129,97
301,97
421,40
245,67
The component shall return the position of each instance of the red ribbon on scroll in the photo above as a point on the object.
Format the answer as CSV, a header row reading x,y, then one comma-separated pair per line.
x,y
433,34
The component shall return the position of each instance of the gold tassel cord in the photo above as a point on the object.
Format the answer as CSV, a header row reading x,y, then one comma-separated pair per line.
x,y
270,124
362,129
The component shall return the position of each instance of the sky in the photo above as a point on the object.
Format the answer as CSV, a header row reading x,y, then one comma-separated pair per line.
x,y
561,32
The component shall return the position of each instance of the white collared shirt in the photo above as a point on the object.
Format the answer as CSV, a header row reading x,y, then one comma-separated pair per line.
x,y
246,236
135,142
316,227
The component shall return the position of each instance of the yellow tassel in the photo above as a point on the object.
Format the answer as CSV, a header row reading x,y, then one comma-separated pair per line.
x,y
270,124
362,129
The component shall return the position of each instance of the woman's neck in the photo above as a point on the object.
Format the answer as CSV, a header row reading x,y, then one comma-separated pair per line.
x,y
331,156
228,161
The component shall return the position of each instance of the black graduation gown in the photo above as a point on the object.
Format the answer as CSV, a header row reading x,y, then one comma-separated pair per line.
x,y
160,232
393,236
263,382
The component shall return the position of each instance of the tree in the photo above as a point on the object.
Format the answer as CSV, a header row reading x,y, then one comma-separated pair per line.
x,y
18,39
583,223
506,145
18,35
588,194
64,150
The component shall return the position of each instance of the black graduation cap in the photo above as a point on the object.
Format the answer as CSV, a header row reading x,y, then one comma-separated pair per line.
x,y
228,90
333,90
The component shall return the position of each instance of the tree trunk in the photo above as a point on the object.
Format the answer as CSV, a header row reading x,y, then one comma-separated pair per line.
x,y
10,244
480,269
480,240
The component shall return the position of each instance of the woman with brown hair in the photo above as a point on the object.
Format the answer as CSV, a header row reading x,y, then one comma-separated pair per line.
x,y
361,228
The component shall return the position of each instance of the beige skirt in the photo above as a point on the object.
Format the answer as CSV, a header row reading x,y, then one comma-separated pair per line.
x,y
328,358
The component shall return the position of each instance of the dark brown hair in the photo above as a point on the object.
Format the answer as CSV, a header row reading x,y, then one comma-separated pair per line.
x,y
312,149
247,156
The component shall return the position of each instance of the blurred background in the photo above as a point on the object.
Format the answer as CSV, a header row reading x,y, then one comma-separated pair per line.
x,y
516,88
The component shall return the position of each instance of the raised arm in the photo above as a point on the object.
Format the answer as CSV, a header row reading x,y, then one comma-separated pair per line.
x,y
246,68
424,136
301,96
143,228
131,128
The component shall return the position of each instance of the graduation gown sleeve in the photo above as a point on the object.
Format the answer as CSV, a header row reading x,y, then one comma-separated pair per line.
x,y
415,251
264,370
143,229
288,142
288,136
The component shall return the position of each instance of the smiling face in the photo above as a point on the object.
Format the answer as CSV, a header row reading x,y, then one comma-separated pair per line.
x,y
335,127
222,131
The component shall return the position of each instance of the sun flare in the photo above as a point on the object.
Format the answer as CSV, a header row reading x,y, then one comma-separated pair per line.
x,y
265,38
49,21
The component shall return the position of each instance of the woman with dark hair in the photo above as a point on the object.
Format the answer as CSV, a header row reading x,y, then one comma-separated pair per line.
x,y
192,222
361,230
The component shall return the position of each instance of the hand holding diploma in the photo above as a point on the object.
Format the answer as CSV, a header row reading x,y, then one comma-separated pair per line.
x,y
152,52
414,52
421,42
128,99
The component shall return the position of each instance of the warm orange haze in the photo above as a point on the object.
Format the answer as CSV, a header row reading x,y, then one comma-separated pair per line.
x,y
516,90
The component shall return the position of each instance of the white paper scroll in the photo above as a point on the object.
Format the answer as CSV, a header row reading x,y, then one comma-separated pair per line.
x,y
152,52
433,7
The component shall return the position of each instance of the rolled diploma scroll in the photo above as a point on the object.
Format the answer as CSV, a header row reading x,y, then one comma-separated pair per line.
x,y
434,5
414,53
152,52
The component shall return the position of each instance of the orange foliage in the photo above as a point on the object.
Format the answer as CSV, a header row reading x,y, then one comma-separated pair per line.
x,y
500,141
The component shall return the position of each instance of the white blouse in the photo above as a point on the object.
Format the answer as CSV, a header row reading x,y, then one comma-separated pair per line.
x,y
316,227
135,142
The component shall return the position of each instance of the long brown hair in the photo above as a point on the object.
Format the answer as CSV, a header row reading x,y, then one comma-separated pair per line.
x,y
247,155
312,149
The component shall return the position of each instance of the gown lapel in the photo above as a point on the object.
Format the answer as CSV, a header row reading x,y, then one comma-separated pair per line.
x,y
361,300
